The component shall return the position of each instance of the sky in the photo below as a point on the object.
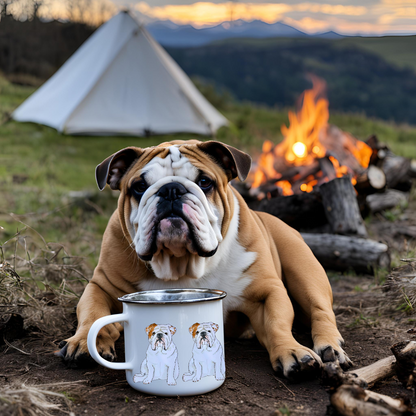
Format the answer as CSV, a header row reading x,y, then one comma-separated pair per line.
x,y
343,16
348,17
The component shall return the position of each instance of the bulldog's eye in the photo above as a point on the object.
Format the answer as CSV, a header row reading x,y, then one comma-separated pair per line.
x,y
166,333
205,183
153,333
209,330
197,332
139,187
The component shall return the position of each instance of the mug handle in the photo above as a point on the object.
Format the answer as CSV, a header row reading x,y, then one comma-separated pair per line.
x,y
92,343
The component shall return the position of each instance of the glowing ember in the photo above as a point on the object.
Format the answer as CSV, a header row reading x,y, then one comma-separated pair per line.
x,y
308,142
299,149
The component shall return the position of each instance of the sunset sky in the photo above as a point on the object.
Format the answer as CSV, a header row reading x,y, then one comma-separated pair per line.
x,y
344,16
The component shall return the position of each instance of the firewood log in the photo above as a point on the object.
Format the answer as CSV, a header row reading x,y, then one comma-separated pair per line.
x,y
351,396
341,207
387,200
351,400
303,210
397,170
342,252
370,181
405,353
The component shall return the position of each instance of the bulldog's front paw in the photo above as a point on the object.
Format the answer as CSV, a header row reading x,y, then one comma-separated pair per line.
x,y
196,379
297,362
332,352
74,351
147,381
171,383
219,378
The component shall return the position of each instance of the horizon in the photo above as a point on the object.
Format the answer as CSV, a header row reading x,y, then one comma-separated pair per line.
x,y
345,17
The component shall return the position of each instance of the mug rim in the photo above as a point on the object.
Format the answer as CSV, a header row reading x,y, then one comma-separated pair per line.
x,y
160,300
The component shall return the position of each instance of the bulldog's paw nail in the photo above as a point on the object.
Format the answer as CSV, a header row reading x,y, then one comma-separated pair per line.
x,y
328,354
62,352
306,359
62,344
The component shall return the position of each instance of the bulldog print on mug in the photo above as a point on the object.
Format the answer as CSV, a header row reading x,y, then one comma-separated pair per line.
x,y
161,362
207,353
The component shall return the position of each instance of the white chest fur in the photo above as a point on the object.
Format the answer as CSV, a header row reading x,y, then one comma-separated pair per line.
x,y
226,270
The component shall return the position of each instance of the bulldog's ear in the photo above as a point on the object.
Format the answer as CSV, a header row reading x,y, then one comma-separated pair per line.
x,y
235,162
172,329
150,329
214,326
192,329
112,169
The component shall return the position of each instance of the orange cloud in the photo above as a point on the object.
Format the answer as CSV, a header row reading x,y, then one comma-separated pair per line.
x,y
203,13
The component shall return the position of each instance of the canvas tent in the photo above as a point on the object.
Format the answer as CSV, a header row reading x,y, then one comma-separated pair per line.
x,y
121,81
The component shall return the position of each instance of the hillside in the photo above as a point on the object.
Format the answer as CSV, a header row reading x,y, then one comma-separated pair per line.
x,y
274,72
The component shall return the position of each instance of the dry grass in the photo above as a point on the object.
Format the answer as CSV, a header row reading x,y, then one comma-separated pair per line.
x,y
401,285
39,400
41,282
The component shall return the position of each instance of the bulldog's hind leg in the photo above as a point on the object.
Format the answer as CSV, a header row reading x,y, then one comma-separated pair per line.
x,y
137,378
94,304
191,371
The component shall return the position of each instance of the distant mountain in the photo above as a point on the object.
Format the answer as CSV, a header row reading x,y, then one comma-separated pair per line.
x,y
170,34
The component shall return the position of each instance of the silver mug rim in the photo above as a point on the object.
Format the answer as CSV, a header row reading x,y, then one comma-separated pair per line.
x,y
170,298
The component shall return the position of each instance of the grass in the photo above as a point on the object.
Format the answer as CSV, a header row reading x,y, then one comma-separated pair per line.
x,y
39,167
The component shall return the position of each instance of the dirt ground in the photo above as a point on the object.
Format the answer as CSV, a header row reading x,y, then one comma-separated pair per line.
x,y
251,387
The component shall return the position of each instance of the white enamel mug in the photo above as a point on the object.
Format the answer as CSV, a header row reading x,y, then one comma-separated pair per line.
x,y
174,341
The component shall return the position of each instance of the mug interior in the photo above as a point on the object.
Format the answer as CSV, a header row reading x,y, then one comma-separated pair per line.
x,y
173,296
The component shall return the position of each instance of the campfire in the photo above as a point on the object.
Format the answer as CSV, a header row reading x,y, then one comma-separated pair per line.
x,y
322,181
312,152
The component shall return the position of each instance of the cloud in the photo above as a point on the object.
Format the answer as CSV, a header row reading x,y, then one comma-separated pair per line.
x,y
203,13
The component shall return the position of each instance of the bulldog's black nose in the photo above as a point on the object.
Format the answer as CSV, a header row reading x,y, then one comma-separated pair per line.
x,y
203,334
160,336
171,191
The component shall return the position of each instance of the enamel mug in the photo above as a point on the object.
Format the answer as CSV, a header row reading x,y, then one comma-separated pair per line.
x,y
174,341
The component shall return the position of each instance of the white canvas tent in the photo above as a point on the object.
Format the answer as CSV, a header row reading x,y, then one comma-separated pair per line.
x,y
121,81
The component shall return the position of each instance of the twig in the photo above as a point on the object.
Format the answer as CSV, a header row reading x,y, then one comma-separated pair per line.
x,y
12,346
284,385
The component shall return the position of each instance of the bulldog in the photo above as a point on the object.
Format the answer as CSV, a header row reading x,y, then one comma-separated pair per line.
x,y
179,223
161,362
207,354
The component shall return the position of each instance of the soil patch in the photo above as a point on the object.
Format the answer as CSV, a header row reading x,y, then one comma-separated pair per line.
x,y
251,387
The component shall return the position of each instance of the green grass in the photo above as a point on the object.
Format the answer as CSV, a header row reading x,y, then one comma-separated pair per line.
x,y
39,166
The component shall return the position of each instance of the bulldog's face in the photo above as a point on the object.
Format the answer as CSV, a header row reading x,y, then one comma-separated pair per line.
x,y
160,336
175,201
204,334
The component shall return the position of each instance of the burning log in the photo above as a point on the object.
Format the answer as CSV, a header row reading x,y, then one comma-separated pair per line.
x,y
342,252
387,200
341,207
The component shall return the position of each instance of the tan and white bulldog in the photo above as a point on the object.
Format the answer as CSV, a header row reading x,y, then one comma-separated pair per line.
x,y
207,353
161,362
179,223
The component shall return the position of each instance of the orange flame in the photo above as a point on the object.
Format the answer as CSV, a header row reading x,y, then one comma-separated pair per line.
x,y
303,146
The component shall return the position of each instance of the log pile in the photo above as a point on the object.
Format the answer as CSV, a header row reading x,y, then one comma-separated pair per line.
x,y
350,394
330,217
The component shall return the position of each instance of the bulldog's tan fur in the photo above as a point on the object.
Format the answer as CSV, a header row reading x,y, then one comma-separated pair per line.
x,y
282,263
